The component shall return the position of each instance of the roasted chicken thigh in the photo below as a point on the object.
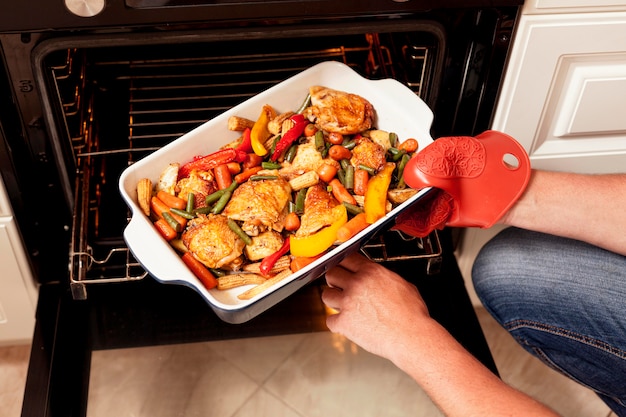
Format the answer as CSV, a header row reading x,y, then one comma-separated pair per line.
x,y
338,111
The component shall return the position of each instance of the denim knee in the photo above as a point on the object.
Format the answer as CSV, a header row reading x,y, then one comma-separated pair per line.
x,y
563,300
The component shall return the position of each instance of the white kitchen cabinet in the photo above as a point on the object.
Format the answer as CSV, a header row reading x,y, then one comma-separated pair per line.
x,y
18,290
564,93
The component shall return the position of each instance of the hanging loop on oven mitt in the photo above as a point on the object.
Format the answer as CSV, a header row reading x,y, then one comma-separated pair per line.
x,y
475,181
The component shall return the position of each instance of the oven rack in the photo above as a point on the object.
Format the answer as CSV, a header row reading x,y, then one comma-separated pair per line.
x,y
169,92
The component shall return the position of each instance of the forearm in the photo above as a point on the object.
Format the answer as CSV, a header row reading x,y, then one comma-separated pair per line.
x,y
456,381
584,207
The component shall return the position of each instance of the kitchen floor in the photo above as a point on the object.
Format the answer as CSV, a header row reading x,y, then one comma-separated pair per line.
x,y
284,376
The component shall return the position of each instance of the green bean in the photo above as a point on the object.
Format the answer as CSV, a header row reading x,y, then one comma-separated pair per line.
x,y
319,141
306,103
401,166
300,197
397,157
232,187
263,177
345,163
203,210
239,231
291,153
191,202
352,209
350,144
212,198
221,203
349,177
183,213
271,165
172,222
217,272
393,139
369,170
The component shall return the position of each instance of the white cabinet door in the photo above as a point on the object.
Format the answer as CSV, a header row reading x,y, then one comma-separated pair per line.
x,y
573,6
18,291
564,94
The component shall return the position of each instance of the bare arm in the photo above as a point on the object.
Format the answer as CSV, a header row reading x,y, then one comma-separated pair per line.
x,y
584,207
386,315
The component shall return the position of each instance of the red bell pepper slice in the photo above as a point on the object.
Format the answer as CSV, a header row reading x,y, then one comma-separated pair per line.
x,y
268,262
246,142
208,162
291,135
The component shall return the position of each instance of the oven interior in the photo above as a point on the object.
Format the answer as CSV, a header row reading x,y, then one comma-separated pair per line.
x,y
119,103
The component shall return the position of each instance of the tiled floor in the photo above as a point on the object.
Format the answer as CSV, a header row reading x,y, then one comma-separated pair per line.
x,y
286,376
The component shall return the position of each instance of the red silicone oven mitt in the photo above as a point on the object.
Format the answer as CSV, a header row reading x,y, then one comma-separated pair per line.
x,y
476,180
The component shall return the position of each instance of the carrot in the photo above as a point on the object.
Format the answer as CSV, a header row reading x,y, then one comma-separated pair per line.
x,y
309,130
292,222
200,271
158,207
338,152
327,172
247,173
352,227
223,177
171,200
234,167
252,160
299,262
335,138
409,145
165,229
361,178
340,192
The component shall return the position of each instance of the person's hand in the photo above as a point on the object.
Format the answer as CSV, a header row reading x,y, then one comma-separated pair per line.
x,y
374,304
476,180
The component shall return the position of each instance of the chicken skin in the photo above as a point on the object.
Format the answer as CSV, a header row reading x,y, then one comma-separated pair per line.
x,y
260,205
318,212
213,243
201,183
338,111
368,153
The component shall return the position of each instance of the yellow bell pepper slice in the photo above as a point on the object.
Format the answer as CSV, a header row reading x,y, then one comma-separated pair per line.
x,y
375,205
313,245
259,133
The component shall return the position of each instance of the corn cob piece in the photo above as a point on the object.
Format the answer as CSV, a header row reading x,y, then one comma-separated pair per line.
x,y
281,264
239,124
254,291
276,124
237,280
305,180
144,194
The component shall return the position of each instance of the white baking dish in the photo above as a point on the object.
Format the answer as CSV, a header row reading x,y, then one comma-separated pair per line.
x,y
398,110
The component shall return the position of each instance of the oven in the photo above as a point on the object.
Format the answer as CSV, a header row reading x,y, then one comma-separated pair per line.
x,y
89,87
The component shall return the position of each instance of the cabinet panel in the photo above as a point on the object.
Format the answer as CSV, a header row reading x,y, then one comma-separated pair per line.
x,y
564,96
561,6
17,291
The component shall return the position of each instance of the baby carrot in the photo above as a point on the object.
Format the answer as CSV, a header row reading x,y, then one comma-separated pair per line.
x,y
200,271
327,172
165,229
409,145
223,177
361,178
340,192
352,227
171,200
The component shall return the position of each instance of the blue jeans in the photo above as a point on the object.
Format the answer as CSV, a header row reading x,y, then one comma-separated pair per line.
x,y
564,301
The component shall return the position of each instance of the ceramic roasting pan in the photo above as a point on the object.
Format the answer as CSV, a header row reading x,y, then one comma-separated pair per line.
x,y
398,110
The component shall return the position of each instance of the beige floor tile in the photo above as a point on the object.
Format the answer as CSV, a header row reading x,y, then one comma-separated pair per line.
x,y
329,375
284,376
13,369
